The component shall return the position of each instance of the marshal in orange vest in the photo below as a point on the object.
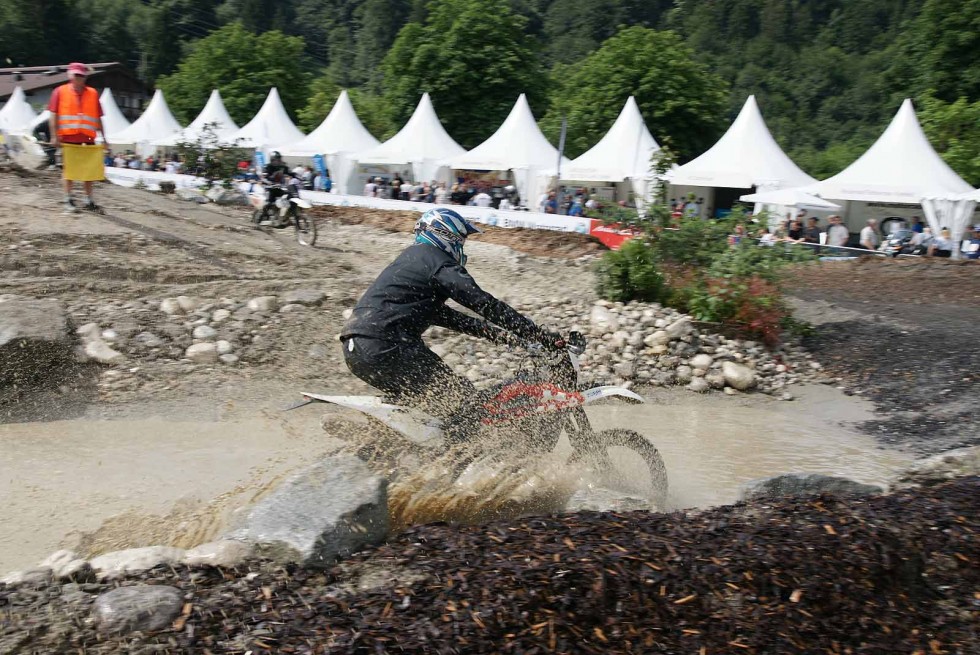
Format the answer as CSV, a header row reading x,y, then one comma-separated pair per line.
x,y
78,114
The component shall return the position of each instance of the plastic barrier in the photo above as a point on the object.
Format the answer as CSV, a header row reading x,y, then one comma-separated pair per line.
x,y
150,179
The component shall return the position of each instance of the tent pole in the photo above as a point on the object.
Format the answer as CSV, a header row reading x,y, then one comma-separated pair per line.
x,y
561,150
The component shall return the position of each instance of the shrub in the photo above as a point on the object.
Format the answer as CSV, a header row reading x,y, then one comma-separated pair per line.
x,y
630,273
750,305
750,259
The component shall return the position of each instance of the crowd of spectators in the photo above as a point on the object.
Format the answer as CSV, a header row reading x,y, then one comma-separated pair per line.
x,y
129,159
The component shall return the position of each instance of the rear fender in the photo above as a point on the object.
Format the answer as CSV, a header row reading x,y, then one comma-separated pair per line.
x,y
415,425
598,393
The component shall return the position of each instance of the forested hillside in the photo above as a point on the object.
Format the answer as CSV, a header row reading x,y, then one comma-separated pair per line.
x,y
828,75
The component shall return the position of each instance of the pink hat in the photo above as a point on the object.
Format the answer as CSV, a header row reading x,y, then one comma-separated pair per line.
x,y
77,68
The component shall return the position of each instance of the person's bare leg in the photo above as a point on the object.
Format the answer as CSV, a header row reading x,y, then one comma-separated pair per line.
x,y
67,185
88,192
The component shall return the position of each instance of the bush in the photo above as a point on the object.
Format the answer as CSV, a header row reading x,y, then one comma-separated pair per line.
x,y
749,259
750,305
630,273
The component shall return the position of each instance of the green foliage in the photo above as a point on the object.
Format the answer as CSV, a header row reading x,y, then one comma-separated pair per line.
x,y
630,273
748,259
954,128
680,100
370,108
474,59
696,242
242,66
217,162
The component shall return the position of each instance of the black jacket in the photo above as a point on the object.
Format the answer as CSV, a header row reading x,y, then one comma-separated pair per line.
x,y
410,295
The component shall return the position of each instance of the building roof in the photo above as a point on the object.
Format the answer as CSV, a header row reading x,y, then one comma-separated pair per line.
x,y
340,131
745,156
35,78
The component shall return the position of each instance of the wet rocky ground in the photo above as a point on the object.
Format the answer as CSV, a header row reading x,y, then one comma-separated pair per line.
x,y
887,574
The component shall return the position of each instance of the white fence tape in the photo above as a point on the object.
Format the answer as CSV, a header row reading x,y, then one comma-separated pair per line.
x,y
151,179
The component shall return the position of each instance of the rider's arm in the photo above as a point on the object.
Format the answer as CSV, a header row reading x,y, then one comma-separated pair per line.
x,y
460,322
462,288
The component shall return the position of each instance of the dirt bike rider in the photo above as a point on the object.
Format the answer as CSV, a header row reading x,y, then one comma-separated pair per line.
x,y
276,173
382,340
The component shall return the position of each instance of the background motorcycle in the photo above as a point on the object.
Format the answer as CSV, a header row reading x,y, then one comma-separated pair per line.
x,y
284,210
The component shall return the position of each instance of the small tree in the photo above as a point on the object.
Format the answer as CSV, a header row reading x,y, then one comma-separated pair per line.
x,y
214,160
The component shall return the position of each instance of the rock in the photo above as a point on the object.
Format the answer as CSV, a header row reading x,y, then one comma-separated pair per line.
x,y
602,320
171,307
134,560
805,484
148,340
223,347
715,379
205,332
143,608
658,338
684,374
307,297
942,467
58,560
293,307
731,392
31,577
702,361
99,351
619,339
110,336
679,328
191,194
327,511
187,304
347,313
228,359
226,553
202,353
625,370
35,341
220,316
263,304
228,197
600,499
786,396
319,351
738,376
699,385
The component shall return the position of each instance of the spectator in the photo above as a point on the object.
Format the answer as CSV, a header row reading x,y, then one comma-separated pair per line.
x,y
441,195
76,119
371,188
869,238
691,208
767,238
971,248
735,238
119,161
576,209
795,233
812,232
551,205
396,186
482,199
917,225
942,245
307,178
837,234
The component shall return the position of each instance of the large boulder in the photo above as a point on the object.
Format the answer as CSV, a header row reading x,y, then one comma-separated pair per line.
x,y
134,560
325,512
35,340
805,484
738,376
942,467
140,608
307,297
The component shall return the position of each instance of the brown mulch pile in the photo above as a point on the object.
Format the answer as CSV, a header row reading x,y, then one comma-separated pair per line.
x,y
891,574
539,243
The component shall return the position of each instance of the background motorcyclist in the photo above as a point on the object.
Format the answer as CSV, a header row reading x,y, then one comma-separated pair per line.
x,y
382,340
275,174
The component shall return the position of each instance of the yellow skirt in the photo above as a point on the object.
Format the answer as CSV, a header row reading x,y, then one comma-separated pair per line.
x,y
82,163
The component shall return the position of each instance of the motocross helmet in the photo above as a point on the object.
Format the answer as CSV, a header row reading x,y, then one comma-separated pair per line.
x,y
445,229
276,156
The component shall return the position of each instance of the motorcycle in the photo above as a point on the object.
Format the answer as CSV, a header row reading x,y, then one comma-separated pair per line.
x,y
543,402
284,210
898,243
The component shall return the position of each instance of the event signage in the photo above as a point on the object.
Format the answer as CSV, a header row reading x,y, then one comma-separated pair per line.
x,y
259,160
321,165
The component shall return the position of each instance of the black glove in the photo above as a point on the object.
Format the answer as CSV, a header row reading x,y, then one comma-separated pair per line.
x,y
552,340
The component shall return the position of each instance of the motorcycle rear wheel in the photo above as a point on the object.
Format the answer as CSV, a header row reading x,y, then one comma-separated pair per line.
x,y
305,228
598,456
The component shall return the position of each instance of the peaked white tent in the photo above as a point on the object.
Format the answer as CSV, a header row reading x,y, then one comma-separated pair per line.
x,y
271,127
423,142
517,145
17,114
156,122
214,115
339,137
113,121
622,154
745,156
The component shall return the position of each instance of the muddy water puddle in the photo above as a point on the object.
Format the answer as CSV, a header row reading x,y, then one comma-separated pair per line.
x,y
97,485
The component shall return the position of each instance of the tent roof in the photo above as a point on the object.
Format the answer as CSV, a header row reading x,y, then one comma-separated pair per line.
x,y
901,167
17,114
624,152
517,143
422,138
340,131
745,156
214,112
270,127
113,121
154,123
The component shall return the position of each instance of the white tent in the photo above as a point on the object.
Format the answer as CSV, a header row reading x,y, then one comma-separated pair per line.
x,y
338,137
17,114
156,122
901,167
623,153
790,198
43,117
113,121
517,145
745,156
214,115
423,143
271,127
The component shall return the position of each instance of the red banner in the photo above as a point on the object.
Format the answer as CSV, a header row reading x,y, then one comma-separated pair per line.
x,y
612,236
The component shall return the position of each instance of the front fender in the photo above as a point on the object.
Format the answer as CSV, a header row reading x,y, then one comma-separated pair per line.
x,y
598,393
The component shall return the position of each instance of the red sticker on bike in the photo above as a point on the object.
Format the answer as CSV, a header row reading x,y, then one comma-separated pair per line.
x,y
520,399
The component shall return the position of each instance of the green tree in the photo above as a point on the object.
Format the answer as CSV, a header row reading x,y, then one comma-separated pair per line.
x,y
954,130
946,42
243,67
682,103
474,59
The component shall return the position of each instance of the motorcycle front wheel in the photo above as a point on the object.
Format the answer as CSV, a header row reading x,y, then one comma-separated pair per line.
x,y
305,228
258,216
614,454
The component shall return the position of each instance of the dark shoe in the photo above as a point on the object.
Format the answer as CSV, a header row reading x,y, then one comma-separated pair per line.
x,y
91,207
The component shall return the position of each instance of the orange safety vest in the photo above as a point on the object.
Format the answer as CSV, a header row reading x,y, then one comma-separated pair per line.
x,y
77,115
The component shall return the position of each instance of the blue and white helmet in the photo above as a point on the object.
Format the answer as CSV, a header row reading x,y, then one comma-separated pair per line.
x,y
446,230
